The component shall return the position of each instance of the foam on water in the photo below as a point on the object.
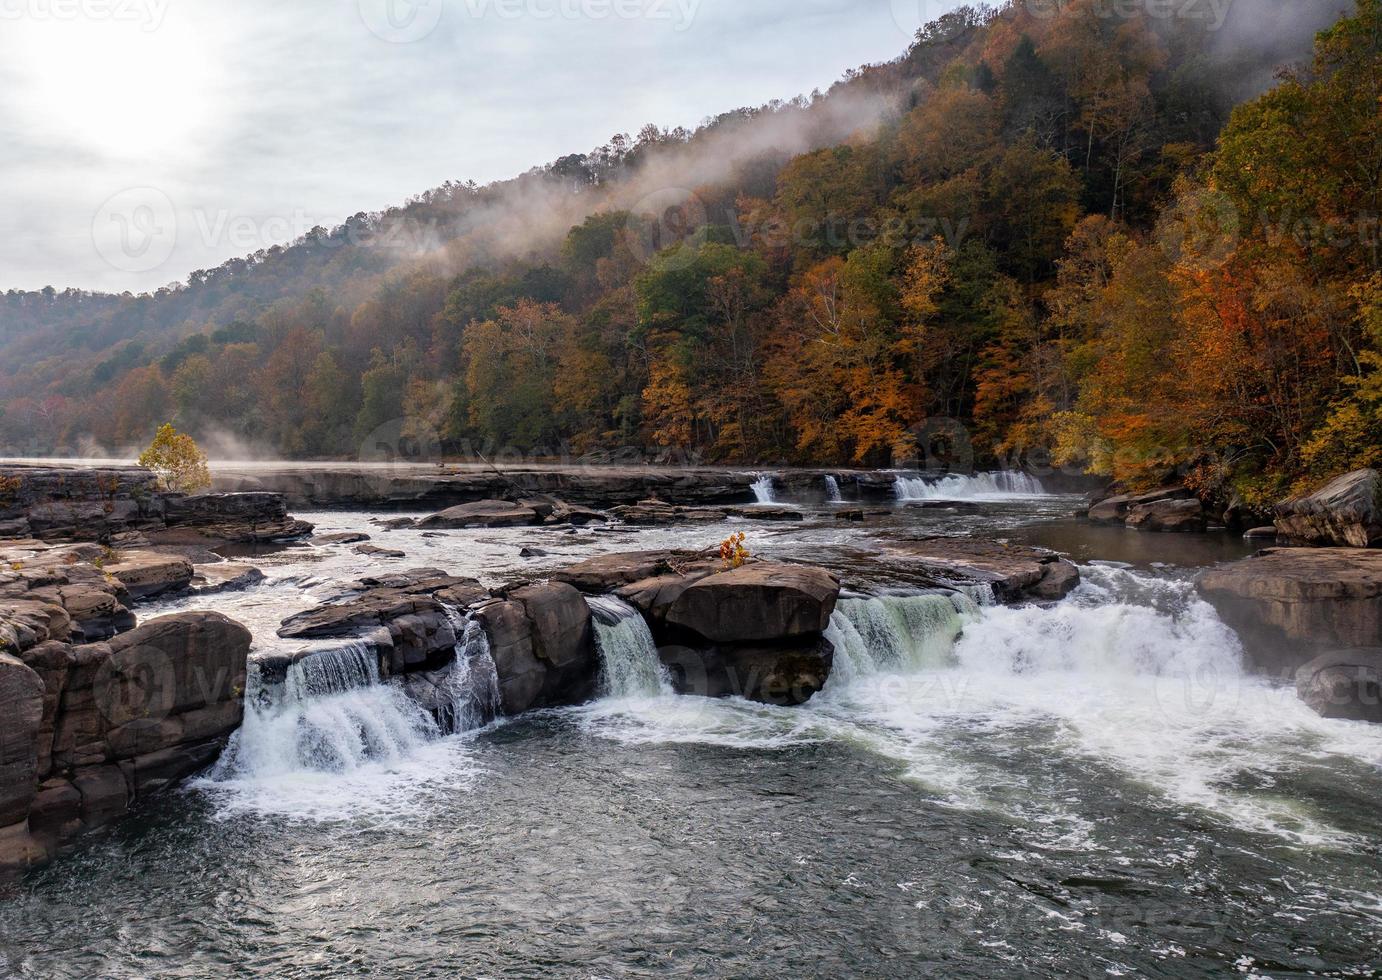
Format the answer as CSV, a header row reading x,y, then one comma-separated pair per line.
x,y
630,665
764,490
1003,485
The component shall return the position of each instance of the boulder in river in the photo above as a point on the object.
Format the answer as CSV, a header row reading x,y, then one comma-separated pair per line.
x,y
1346,511
1290,603
1015,572
148,574
762,601
1345,685
543,647
1167,515
483,513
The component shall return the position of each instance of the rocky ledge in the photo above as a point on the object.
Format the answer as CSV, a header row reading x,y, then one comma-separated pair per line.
x,y
1345,684
1289,604
1346,511
124,505
96,713
1167,509
1016,573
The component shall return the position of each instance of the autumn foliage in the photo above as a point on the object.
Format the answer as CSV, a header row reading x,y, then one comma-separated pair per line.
x,y
1062,234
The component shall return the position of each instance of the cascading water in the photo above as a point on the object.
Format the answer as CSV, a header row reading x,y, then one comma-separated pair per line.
x,y
631,667
473,683
896,634
1004,485
763,489
832,490
329,713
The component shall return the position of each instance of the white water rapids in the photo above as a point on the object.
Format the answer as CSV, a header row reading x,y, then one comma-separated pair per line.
x,y
1133,674
1003,485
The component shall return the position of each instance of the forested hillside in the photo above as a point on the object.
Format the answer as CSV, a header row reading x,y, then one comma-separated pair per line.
x,y
1050,224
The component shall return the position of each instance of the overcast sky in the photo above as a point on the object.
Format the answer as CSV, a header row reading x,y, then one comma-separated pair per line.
x,y
143,139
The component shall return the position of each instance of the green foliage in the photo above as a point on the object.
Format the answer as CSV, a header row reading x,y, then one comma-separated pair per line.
x,y
178,461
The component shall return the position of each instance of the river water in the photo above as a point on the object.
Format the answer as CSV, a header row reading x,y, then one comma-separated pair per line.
x,y
1095,788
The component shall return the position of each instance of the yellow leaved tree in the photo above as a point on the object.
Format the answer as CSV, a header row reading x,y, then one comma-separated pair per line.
x,y
177,460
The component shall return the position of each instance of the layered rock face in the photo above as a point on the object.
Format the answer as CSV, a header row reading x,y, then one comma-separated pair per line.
x,y
754,632
1016,573
1168,509
95,713
1347,511
1291,603
112,505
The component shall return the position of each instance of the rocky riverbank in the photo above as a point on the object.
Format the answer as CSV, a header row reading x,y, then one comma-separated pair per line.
x,y
96,712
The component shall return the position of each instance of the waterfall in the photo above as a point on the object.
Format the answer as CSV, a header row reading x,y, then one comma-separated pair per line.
x,y
763,489
329,713
1003,485
897,634
630,667
832,490
473,682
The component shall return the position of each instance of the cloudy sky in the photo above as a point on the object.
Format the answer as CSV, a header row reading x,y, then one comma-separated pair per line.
x,y
143,139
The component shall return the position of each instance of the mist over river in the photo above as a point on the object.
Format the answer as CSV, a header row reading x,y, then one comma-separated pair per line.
x,y
1094,787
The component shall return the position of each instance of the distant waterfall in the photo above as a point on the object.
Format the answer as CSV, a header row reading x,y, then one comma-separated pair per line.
x,y
473,684
631,667
897,634
763,489
329,713
832,490
1004,485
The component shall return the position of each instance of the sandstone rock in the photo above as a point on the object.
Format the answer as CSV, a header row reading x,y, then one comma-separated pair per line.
x,y
21,716
146,575
372,551
1345,685
172,665
1347,511
1116,509
1167,515
764,513
605,573
541,640
782,675
761,601
1260,534
1288,603
483,513
235,518
345,537
1015,572
225,577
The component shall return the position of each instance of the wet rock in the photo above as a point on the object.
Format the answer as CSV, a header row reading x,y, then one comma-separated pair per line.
x,y
1260,534
484,513
849,515
344,537
374,551
1288,603
147,575
1346,685
605,573
543,647
1117,509
235,518
764,513
784,675
761,601
1015,572
1347,511
1167,515
225,577
21,716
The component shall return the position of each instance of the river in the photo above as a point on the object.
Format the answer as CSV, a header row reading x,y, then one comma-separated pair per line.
x,y
1094,788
